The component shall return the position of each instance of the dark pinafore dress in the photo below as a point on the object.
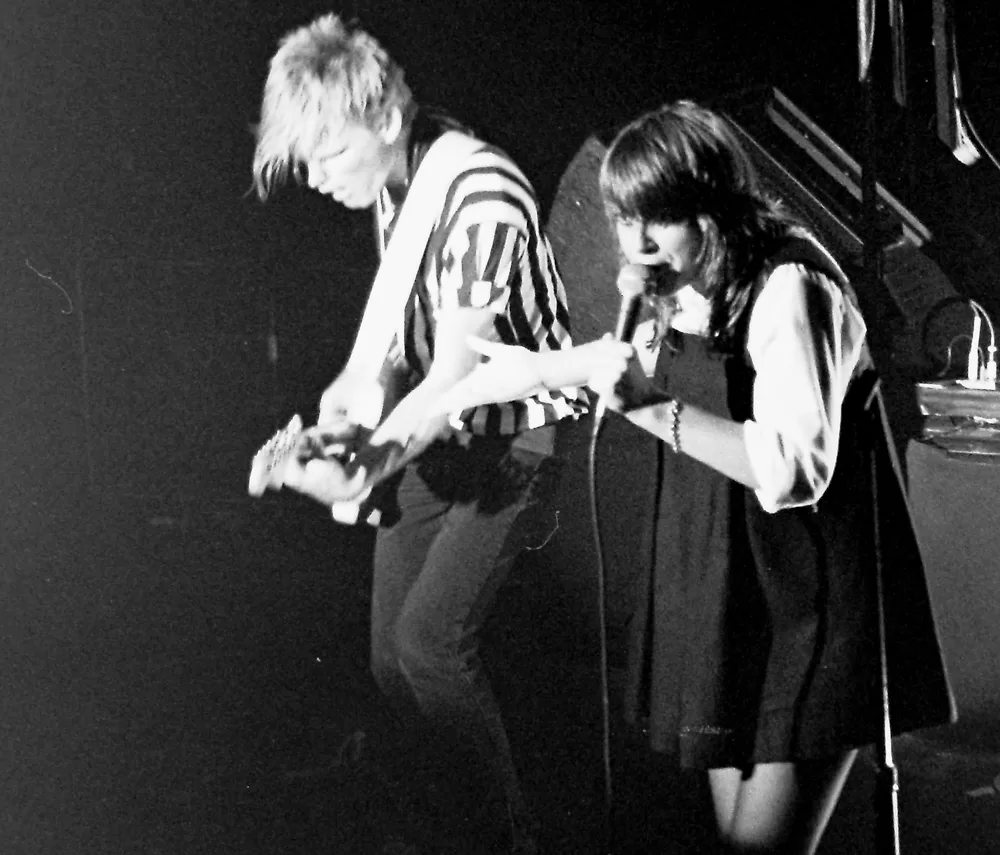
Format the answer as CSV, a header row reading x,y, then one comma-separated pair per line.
x,y
755,635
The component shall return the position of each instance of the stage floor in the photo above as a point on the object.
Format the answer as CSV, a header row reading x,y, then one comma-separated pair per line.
x,y
197,683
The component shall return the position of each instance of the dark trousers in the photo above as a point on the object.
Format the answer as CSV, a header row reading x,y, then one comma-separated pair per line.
x,y
467,510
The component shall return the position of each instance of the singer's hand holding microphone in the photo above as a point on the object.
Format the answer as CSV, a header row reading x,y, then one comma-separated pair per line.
x,y
514,372
609,378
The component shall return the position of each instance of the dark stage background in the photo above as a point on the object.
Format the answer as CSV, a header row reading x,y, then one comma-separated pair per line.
x,y
183,668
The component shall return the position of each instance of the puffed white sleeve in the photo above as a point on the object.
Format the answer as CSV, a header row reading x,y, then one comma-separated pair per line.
x,y
804,340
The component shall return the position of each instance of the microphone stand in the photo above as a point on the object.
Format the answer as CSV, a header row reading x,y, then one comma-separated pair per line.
x,y
887,777
887,780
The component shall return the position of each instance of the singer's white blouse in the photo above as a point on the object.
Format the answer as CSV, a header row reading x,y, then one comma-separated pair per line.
x,y
804,340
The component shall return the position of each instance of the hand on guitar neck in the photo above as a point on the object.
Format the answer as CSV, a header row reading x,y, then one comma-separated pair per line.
x,y
333,462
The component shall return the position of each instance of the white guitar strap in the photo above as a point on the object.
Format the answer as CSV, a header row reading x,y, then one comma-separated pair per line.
x,y
443,163
383,317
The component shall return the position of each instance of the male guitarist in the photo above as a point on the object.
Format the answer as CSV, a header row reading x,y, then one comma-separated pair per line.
x,y
470,485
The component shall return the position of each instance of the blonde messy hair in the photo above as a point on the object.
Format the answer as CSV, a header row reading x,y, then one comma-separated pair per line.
x,y
322,74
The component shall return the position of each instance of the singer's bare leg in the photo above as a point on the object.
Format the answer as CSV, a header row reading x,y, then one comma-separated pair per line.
x,y
781,808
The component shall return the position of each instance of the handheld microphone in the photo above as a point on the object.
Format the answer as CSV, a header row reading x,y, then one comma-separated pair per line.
x,y
632,282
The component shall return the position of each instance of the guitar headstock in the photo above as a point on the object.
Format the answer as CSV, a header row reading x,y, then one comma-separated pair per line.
x,y
268,467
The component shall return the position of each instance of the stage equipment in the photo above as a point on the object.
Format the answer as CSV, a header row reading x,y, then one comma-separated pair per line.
x,y
953,499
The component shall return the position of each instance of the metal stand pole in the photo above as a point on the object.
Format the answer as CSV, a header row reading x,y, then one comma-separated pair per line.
x,y
887,781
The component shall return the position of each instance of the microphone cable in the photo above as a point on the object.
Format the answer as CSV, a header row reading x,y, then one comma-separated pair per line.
x,y
633,281
602,633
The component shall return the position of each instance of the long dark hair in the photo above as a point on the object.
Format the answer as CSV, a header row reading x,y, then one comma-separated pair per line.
x,y
682,163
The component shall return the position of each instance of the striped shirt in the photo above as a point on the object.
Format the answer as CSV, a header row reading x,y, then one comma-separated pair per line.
x,y
486,250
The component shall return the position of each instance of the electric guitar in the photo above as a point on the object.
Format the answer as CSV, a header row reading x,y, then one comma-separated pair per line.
x,y
267,471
